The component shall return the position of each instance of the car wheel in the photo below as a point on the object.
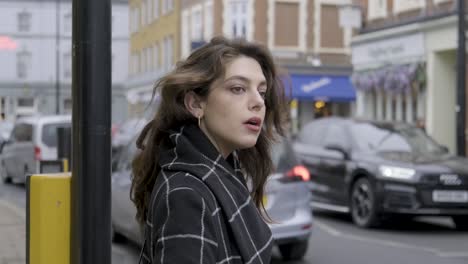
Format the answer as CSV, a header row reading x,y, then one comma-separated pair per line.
x,y
293,251
461,222
363,211
4,174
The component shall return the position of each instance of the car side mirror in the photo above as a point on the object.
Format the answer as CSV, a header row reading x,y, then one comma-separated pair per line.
x,y
339,149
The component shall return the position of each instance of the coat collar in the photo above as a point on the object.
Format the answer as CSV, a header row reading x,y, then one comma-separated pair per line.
x,y
189,150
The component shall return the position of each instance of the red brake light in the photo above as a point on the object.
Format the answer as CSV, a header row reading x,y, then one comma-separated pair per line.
x,y
37,153
299,171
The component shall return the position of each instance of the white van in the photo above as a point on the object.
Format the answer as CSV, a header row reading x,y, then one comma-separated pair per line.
x,y
32,139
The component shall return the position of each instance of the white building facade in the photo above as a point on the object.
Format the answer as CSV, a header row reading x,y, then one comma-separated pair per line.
x,y
28,57
407,72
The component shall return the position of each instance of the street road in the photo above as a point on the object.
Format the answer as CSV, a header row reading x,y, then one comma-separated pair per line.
x,y
335,240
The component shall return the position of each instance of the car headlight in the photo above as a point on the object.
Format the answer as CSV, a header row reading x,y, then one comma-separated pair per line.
x,y
397,173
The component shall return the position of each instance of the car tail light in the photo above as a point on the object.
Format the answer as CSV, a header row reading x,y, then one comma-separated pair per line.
x,y
299,171
37,153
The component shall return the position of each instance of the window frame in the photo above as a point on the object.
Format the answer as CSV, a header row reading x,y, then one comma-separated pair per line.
x,y
402,6
23,64
24,21
376,10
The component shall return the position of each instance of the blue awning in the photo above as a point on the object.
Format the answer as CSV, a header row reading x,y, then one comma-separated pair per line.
x,y
320,87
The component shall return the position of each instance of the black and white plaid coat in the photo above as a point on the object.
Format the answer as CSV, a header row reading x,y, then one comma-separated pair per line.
x,y
201,210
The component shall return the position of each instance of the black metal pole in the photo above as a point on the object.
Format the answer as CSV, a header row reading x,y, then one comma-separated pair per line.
x,y
57,59
91,118
461,81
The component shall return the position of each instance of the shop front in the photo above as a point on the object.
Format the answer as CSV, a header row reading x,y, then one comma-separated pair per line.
x,y
315,96
390,78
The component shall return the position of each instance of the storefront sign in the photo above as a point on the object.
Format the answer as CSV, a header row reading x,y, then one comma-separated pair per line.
x,y
388,50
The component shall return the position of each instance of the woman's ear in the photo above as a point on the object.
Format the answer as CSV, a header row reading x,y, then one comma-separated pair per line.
x,y
194,104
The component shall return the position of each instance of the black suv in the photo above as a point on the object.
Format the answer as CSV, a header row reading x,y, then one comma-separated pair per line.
x,y
373,169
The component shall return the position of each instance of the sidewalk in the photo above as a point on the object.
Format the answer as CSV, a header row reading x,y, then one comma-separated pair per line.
x,y
13,238
12,234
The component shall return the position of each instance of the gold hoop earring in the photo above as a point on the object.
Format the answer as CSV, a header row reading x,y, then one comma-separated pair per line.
x,y
199,121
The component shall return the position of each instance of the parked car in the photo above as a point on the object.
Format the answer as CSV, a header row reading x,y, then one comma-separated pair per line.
x,y
32,139
287,201
374,169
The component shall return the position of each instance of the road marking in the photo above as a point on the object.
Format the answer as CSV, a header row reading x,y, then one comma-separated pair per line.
x,y
335,232
332,231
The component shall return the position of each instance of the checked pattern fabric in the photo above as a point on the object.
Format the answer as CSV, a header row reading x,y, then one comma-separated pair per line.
x,y
201,210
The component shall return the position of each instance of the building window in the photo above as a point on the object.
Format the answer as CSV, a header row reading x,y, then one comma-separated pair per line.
x,y
168,52
67,65
25,102
167,6
137,19
238,10
23,64
24,21
377,9
148,58
208,16
67,26
149,11
156,57
134,64
400,6
156,9
196,30
143,13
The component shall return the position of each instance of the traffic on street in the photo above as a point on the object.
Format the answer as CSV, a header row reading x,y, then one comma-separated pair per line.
x,y
233,131
335,240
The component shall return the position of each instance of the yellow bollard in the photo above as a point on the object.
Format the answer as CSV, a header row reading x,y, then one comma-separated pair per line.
x,y
65,165
48,218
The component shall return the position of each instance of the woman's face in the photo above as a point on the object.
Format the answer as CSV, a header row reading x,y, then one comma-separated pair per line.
x,y
235,109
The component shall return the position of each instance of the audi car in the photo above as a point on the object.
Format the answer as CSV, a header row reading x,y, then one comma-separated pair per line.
x,y
376,170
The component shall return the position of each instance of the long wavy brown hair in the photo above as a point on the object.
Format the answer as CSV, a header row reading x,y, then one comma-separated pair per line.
x,y
204,66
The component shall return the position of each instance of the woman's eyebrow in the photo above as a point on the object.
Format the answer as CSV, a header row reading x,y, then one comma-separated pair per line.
x,y
244,79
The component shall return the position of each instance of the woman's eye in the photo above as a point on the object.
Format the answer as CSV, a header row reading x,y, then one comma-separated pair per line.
x,y
237,89
262,94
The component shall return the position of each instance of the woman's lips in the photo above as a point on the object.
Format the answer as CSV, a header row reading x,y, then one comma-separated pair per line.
x,y
252,127
253,124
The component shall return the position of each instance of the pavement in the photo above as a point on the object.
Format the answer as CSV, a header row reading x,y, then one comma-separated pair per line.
x,y
13,238
12,234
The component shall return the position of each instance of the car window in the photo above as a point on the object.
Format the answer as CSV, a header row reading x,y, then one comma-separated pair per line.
x,y
394,138
23,132
282,156
49,133
336,135
312,133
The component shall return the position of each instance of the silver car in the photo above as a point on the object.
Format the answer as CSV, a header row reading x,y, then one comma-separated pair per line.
x,y
287,201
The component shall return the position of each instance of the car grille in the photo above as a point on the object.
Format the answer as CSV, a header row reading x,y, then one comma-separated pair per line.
x,y
400,200
435,180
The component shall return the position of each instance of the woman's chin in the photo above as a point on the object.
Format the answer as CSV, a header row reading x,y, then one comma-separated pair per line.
x,y
247,143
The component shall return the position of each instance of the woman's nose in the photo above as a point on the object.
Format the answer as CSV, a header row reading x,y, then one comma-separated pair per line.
x,y
257,101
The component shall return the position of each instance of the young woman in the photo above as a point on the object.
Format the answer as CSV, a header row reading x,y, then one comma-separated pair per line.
x,y
220,109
